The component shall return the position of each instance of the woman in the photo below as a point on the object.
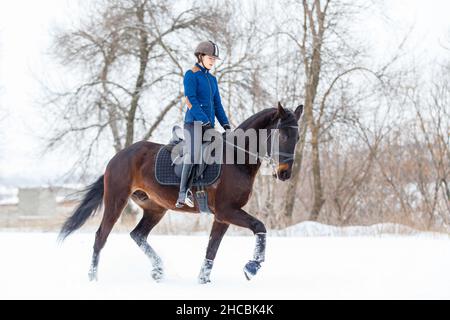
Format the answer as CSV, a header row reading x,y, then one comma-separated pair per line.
x,y
203,106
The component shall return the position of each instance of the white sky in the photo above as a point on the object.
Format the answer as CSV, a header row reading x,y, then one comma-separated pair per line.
x,y
25,37
24,40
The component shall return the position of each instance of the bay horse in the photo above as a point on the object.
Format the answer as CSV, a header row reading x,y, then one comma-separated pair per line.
x,y
131,173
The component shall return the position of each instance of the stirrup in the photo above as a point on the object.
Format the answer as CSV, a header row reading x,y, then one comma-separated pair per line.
x,y
202,200
188,200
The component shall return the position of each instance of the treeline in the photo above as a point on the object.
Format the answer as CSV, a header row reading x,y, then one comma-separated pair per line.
x,y
374,141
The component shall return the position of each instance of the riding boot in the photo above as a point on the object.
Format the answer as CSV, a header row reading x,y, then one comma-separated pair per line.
x,y
185,195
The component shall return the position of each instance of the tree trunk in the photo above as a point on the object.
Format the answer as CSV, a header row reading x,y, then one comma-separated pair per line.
x,y
143,62
112,111
318,191
293,183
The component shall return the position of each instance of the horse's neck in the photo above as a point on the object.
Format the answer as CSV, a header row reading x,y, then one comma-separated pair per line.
x,y
260,123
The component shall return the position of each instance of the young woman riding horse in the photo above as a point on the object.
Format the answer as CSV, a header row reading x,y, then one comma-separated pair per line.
x,y
131,172
204,105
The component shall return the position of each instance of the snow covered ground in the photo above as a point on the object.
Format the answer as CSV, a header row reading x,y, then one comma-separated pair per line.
x,y
315,229
33,265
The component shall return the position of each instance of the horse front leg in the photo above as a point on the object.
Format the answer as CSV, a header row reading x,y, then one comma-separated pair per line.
x,y
218,230
253,266
242,219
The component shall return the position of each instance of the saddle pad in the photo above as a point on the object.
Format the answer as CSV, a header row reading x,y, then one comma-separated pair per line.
x,y
165,171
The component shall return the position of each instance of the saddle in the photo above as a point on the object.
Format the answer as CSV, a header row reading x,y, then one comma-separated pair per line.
x,y
169,164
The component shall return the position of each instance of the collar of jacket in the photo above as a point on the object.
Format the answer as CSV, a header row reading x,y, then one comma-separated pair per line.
x,y
201,67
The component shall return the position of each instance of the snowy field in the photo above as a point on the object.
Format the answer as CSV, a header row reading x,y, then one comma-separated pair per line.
x,y
33,265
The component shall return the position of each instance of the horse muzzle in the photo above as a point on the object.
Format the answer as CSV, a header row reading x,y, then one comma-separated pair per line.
x,y
283,172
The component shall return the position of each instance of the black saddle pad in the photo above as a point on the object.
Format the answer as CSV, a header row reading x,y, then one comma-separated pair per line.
x,y
165,171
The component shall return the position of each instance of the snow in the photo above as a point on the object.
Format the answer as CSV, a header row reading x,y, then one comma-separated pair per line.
x,y
315,229
9,201
33,266
8,195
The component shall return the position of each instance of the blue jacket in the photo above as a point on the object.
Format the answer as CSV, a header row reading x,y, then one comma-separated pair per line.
x,y
203,97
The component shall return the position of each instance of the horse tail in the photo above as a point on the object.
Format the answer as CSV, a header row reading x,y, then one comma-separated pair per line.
x,y
88,207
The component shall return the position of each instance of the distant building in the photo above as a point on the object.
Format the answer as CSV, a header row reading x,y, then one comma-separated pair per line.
x,y
37,202
41,208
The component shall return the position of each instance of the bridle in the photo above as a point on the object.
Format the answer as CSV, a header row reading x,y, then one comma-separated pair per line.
x,y
270,157
288,156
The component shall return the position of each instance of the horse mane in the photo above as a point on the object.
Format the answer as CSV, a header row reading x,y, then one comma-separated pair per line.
x,y
263,116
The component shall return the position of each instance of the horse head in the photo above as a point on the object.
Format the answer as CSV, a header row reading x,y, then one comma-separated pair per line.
x,y
286,123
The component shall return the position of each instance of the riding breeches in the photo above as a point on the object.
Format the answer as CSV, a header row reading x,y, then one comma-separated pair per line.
x,y
193,133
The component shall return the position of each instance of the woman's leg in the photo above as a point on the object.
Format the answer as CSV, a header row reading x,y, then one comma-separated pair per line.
x,y
191,157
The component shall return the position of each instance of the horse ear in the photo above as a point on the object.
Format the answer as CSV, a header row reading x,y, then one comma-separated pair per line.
x,y
298,112
281,112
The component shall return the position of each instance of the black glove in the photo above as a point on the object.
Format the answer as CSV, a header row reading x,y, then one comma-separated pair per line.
x,y
206,126
227,127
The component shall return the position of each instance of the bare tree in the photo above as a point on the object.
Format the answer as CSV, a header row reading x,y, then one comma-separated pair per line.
x,y
128,54
363,157
319,34
431,139
129,58
331,61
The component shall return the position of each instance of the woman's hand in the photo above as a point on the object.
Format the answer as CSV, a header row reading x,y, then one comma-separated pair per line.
x,y
206,127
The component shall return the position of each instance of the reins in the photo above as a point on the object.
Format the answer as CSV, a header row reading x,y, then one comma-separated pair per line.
x,y
269,158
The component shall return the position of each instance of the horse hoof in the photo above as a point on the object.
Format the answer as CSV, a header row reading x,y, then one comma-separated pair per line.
x,y
92,276
205,272
251,269
202,280
158,274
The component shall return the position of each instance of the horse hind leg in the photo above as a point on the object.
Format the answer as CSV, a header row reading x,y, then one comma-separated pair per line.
x,y
115,202
151,217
